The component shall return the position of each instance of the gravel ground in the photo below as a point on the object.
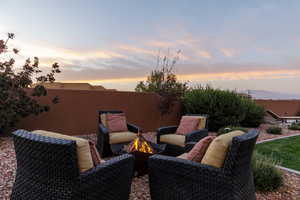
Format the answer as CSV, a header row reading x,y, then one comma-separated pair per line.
x,y
140,189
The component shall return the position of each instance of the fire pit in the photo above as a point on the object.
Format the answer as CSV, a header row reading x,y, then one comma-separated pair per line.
x,y
142,150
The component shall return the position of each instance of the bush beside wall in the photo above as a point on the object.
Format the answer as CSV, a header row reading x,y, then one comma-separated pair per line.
x,y
224,107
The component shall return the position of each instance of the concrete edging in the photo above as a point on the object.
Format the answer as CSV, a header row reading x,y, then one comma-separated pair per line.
x,y
288,169
278,138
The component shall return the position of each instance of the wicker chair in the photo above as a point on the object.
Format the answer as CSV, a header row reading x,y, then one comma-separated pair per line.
x,y
103,145
179,179
47,170
190,139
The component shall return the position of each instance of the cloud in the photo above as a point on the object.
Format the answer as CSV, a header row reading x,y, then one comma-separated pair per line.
x,y
228,52
130,63
137,50
204,54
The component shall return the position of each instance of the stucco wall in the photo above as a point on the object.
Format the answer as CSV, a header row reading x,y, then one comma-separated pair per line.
x,y
76,113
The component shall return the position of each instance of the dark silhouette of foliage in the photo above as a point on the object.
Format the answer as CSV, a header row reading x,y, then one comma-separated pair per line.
x,y
15,101
163,82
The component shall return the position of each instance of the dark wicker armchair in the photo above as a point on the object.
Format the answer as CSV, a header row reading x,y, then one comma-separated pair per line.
x,y
103,144
189,140
47,169
179,179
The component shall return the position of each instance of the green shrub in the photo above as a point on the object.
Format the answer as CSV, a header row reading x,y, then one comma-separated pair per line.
x,y
224,107
266,176
294,126
274,130
254,114
231,128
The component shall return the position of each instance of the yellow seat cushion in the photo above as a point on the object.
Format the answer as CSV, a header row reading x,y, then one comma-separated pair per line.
x,y
84,156
183,156
120,137
202,122
103,119
218,148
173,139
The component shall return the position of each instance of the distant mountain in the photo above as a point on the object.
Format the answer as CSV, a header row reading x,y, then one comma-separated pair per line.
x,y
262,94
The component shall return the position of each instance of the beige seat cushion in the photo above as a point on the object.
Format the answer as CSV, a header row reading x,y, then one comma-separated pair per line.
x,y
202,122
173,139
120,137
183,156
103,119
218,148
84,157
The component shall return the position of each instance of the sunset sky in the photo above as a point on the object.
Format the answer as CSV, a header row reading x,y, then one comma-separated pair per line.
x,y
228,44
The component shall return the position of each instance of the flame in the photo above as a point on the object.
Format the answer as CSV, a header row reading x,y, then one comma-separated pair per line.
x,y
141,145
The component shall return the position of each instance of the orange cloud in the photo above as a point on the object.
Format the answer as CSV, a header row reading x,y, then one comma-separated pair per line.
x,y
160,44
250,75
204,54
137,50
242,75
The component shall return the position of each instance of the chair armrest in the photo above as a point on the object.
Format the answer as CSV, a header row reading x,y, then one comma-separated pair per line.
x,y
195,136
103,129
178,167
114,175
169,174
165,130
133,128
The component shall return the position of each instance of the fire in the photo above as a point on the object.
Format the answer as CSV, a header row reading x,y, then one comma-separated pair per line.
x,y
140,144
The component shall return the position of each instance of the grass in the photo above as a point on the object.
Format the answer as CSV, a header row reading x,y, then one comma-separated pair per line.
x,y
286,151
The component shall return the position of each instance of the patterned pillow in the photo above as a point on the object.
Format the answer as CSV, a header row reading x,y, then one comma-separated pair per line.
x,y
116,122
198,151
187,125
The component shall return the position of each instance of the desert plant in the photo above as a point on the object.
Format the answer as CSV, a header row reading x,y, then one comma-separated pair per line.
x,y
15,101
274,130
266,176
163,81
231,128
294,126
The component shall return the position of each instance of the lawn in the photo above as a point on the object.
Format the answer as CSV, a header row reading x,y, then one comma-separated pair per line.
x,y
286,151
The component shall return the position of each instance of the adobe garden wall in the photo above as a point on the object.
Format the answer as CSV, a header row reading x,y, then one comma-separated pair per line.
x,y
76,113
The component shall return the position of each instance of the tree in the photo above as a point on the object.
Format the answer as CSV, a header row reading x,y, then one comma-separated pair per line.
x,y
15,101
163,81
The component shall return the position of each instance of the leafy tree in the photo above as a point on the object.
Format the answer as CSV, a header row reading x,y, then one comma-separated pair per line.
x,y
15,101
163,81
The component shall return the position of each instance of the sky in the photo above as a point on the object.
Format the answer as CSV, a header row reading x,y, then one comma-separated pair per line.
x,y
229,44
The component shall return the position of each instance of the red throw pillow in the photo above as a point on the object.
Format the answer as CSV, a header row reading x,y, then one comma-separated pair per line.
x,y
198,151
94,153
187,125
116,122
